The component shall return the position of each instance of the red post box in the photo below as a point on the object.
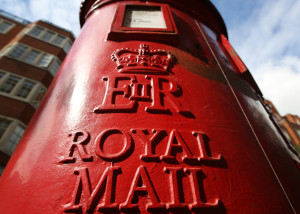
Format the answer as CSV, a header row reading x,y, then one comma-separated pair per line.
x,y
152,111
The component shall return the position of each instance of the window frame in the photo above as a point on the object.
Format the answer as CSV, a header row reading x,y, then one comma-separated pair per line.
x,y
44,54
4,81
68,45
28,56
118,30
23,88
31,30
53,39
30,98
10,121
27,51
9,28
53,64
62,41
12,48
47,36
9,132
11,145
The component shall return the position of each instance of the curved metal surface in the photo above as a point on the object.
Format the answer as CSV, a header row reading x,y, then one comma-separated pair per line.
x,y
87,5
151,122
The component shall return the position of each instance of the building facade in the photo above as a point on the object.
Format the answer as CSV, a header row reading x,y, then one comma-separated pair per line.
x,y
289,124
30,56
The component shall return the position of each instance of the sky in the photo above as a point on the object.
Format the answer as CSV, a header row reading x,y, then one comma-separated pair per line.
x,y
263,32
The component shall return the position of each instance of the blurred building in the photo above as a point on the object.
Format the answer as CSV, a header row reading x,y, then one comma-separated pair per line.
x,y
30,55
289,124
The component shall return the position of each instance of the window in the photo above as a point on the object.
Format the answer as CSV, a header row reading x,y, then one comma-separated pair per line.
x,y
11,133
35,57
25,89
19,87
55,67
51,37
39,96
45,60
9,84
47,36
5,26
15,138
298,132
18,51
59,40
4,123
36,31
67,46
32,56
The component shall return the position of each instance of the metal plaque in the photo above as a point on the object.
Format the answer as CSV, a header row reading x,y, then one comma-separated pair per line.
x,y
144,17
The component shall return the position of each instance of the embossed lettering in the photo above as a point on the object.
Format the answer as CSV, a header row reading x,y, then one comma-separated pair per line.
x,y
148,83
198,197
79,139
161,96
134,90
91,197
198,193
140,91
101,139
177,144
174,187
150,143
142,185
204,148
115,88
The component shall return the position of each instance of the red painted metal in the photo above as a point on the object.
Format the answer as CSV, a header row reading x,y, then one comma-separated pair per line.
x,y
119,15
237,62
152,124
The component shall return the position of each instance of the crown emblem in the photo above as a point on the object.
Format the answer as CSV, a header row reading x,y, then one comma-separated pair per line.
x,y
143,60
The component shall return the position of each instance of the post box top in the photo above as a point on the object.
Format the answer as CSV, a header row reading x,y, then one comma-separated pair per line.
x,y
212,15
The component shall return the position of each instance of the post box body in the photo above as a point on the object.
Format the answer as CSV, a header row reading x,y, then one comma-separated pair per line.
x,y
152,120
